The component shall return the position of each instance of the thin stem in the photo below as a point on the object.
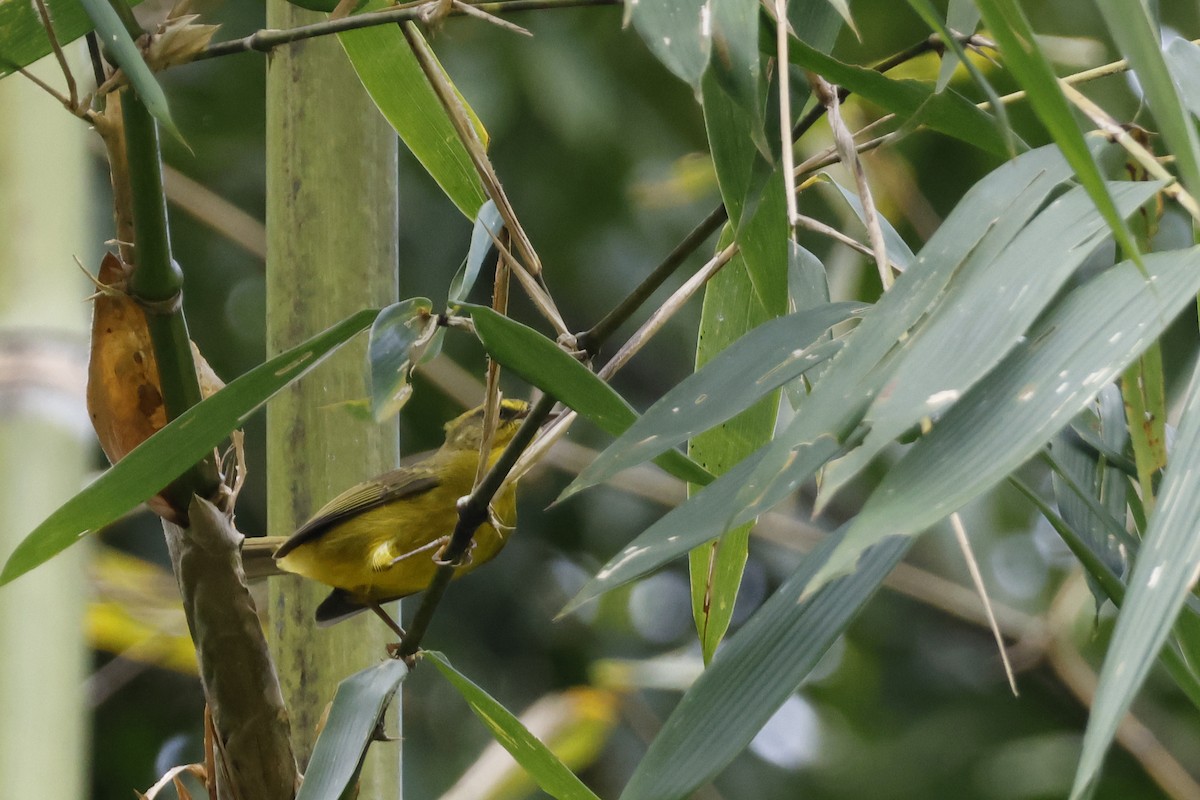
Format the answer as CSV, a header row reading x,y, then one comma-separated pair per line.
x,y
472,512
591,340
264,41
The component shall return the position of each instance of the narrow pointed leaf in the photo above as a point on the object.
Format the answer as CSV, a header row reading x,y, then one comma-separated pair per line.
x,y
962,17
1183,59
983,224
23,38
946,112
734,62
349,730
169,453
397,342
678,32
542,765
1029,66
984,313
1161,581
731,309
899,253
1139,40
119,45
754,673
1076,348
1093,473
769,356
542,363
391,74
488,225
986,219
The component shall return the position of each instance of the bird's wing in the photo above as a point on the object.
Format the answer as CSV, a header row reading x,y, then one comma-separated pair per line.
x,y
387,488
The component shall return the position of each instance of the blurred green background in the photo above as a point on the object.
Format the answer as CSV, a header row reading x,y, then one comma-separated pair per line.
x,y
603,154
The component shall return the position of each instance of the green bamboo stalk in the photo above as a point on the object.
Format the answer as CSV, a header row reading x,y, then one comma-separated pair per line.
x,y
331,249
44,437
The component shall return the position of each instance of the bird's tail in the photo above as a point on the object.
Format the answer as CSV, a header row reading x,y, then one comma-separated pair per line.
x,y
258,556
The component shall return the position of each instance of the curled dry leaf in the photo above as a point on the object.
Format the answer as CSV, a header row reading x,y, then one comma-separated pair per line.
x,y
178,40
123,396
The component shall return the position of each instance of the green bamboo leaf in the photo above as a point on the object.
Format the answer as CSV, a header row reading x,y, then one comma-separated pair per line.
x,y
769,356
23,39
899,253
399,337
120,47
1159,586
741,169
966,15
349,730
677,32
984,312
984,222
731,309
1183,60
1029,66
391,74
752,675
842,7
543,363
734,62
488,225
542,765
962,17
947,112
1139,40
169,453
1076,348
1092,472
982,226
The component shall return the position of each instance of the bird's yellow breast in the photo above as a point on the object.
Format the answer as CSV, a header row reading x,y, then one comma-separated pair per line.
x,y
389,551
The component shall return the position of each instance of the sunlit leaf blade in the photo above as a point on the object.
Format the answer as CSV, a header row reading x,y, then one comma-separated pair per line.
x,y
542,363
769,356
488,225
961,16
398,339
731,309
120,47
677,32
391,74
349,730
541,764
983,224
169,453
984,312
946,112
1029,66
1161,580
23,39
899,253
1092,472
1138,39
986,219
751,676
1076,348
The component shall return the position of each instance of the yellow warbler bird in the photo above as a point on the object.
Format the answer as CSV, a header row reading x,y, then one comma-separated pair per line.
x,y
379,541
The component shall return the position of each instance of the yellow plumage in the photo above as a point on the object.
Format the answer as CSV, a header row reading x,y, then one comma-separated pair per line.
x,y
378,541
